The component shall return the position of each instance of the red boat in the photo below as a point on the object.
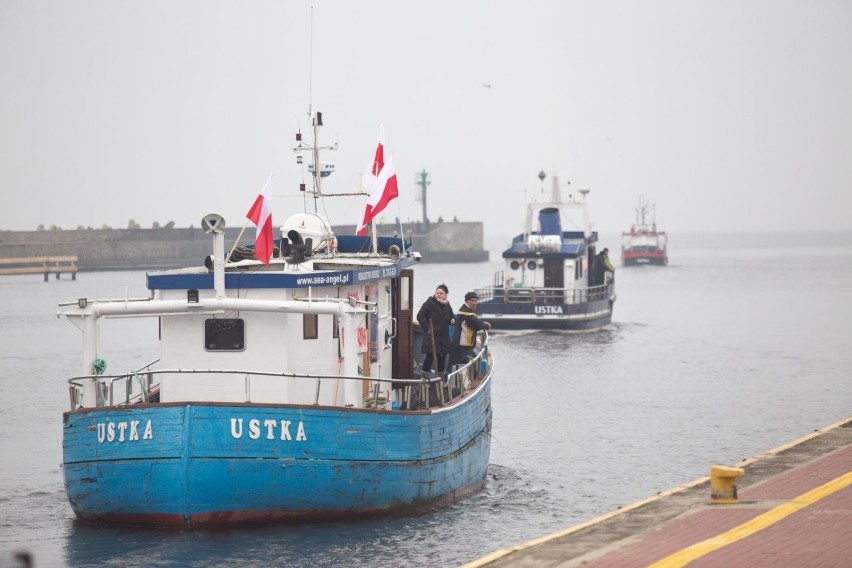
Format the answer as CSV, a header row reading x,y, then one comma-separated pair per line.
x,y
644,244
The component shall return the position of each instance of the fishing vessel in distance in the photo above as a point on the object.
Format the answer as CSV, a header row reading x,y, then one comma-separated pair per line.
x,y
644,244
553,279
284,390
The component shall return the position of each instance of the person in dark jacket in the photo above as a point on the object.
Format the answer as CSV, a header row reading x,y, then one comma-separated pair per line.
x,y
608,267
467,326
602,266
435,317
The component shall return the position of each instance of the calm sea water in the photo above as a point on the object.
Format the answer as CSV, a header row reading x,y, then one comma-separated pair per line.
x,y
740,345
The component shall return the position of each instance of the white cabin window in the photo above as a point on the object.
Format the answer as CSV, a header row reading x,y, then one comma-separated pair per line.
x,y
226,334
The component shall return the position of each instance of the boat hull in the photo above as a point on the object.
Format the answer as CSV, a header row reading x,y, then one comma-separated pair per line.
x,y
583,317
199,465
639,259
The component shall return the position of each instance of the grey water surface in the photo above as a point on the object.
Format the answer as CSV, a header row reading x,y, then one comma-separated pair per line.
x,y
740,345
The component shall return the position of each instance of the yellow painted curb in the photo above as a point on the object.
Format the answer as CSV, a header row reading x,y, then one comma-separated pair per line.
x,y
496,555
685,556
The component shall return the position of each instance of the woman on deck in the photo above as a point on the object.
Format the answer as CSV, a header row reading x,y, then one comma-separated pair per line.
x,y
435,317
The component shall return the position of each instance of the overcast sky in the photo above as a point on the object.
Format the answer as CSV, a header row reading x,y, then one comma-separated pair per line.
x,y
729,115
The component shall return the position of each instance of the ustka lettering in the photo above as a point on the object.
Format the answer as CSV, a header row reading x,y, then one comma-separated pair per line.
x,y
556,310
268,429
124,431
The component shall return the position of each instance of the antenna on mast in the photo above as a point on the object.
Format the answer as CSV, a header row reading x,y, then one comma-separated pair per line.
x,y
311,67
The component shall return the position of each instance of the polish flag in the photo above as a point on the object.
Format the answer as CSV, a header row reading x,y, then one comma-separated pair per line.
x,y
261,215
380,179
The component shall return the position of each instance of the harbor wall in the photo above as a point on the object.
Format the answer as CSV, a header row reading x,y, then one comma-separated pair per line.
x,y
144,249
118,249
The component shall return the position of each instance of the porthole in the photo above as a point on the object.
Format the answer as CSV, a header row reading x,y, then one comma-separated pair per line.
x,y
531,265
514,265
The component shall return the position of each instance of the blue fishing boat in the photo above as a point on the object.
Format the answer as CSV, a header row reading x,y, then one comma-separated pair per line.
x,y
553,278
285,389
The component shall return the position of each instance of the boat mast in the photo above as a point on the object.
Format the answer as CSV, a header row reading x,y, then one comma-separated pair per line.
x,y
555,195
317,184
528,229
587,224
316,168
316,122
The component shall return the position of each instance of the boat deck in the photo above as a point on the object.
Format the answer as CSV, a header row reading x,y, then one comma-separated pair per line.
x,y
794,509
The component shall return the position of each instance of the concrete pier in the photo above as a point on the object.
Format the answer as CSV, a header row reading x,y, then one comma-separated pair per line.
x,y
172,247
46,265
794,509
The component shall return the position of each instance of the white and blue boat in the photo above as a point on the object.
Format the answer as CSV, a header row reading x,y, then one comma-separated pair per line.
x,y
283,392
550,280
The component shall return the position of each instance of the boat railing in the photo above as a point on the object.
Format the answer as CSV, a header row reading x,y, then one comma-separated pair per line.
x,y
526,295
141,385
143,376
449,386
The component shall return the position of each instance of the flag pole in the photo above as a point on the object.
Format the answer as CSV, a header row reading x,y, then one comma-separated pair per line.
x,y
236,242
375,239
401,233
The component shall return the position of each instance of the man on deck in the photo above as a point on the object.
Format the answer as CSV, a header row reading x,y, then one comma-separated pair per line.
x,y
603,266
467,326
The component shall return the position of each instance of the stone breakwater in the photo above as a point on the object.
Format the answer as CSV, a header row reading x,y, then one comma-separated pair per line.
x,y
143,249
117,249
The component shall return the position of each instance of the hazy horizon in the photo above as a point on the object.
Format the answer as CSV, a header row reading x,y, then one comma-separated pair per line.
x,y
728,116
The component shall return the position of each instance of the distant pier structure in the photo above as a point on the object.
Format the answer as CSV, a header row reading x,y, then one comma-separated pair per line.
x,y
163,247
40,265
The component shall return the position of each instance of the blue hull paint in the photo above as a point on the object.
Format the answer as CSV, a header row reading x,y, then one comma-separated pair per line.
x,y
320,336
189,469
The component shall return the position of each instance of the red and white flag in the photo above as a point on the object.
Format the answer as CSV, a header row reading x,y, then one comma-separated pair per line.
x,y
380,179
261,215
